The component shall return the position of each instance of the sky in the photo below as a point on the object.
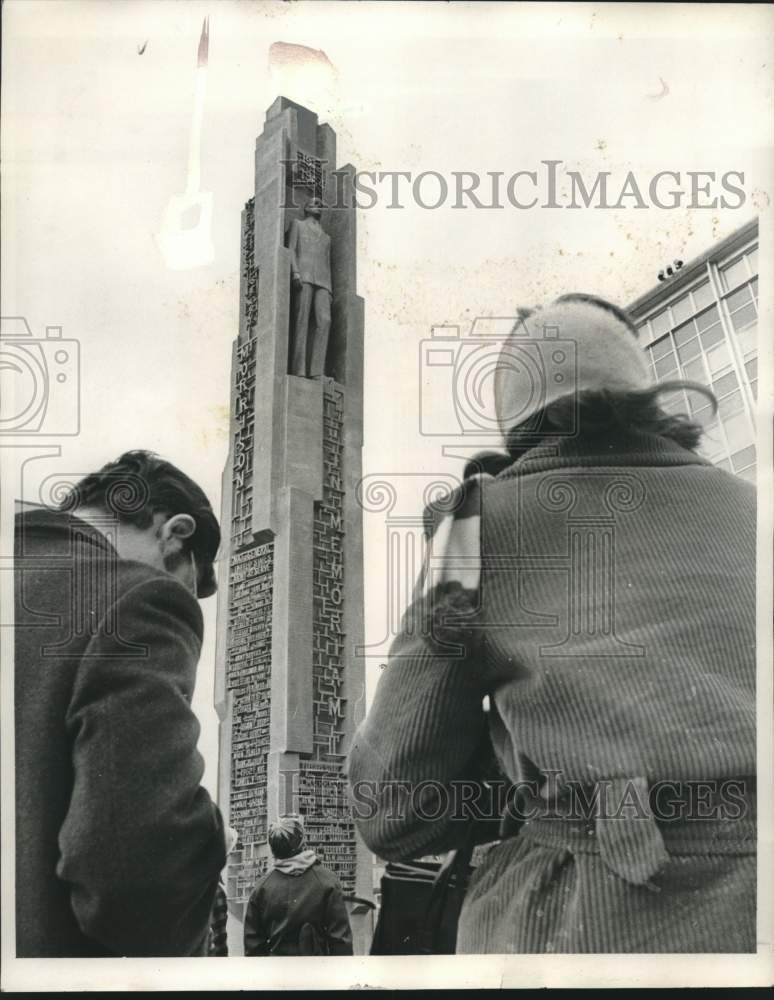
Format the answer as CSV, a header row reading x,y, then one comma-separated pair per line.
x,y
96,121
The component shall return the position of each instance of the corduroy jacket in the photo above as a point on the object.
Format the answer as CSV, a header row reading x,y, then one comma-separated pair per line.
x,y
118,848
613,631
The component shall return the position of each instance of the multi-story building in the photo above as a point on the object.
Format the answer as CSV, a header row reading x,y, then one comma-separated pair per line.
x,y
702,325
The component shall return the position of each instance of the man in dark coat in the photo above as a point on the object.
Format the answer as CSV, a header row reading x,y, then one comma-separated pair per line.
x,y
118,848
298,907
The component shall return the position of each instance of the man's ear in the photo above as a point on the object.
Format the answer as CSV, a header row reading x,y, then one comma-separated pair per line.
x,y
179,527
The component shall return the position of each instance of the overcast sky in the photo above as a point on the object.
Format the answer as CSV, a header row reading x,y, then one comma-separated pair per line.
x,y
95,140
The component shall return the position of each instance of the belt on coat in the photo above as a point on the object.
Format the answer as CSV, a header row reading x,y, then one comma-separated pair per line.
x,y
636,825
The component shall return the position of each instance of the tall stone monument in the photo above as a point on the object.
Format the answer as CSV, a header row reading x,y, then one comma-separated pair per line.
x,y
289,689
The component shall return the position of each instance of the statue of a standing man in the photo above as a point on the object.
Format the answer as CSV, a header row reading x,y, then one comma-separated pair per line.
x,y
310,263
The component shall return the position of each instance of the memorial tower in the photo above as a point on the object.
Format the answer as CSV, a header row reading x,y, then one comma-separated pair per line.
x,y
289,689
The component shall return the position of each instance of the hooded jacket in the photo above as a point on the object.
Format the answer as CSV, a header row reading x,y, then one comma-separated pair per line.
x,y
285,902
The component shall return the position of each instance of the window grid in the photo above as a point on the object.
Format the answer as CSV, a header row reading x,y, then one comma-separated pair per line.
x,y
739,270
708,334
741,306
697,349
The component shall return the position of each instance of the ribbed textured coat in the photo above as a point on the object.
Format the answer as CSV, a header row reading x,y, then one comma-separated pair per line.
x,y
614,633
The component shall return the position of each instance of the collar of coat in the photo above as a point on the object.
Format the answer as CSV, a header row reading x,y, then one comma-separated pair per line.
x,y
58,523
298,864
631,448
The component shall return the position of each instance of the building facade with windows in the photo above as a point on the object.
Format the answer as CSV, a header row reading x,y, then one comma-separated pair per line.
x,y
701,325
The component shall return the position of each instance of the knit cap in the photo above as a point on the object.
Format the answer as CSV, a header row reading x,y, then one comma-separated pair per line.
x,y
560,350
286,836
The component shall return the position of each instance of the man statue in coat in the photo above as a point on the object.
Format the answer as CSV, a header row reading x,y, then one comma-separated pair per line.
x,y
310,249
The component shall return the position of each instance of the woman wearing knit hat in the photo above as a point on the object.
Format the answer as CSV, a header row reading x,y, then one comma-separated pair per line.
x,y
600,593
298,907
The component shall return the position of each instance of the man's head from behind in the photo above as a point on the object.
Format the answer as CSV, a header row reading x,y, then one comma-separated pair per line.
x,y
164,518
286,837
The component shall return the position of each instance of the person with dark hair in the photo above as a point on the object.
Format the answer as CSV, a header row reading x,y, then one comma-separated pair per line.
x,y
298,907
145,492
599,592
118,847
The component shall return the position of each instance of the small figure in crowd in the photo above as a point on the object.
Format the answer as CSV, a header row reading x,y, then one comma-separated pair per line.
x,y
298,907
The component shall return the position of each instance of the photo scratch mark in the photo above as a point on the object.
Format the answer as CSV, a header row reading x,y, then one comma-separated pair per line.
x,y
284,55
662,93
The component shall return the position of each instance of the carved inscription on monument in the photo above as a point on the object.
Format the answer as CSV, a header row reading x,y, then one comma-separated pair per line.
x,y
249,269
248,665
248,644
327,815
244,413
244,872
323,799
307,172
328,587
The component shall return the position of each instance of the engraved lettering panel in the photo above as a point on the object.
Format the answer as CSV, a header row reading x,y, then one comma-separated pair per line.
x,y
248,677
242,469
249,268
307,172
322,788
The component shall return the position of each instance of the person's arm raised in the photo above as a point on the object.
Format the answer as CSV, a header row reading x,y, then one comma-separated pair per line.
x,y
423,738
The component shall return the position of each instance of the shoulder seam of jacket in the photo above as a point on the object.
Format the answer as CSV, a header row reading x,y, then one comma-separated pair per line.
x,y
177,587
